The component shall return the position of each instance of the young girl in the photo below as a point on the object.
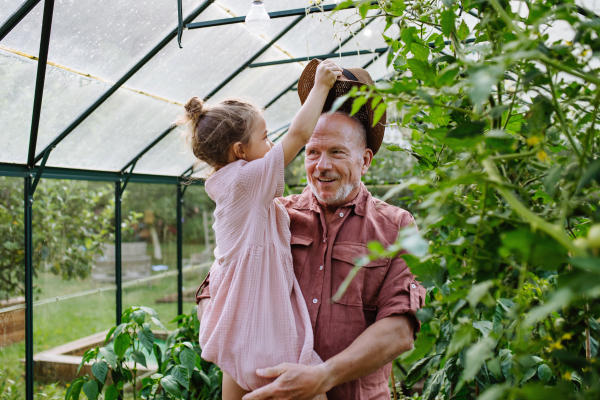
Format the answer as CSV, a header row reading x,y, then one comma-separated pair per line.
x,y
256,317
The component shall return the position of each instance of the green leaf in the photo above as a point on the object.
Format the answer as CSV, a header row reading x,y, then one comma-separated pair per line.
x,y
407,37
159,324
448,17
180,373
121,344
425,314
418,371
139,316
379,113
461,338
463,31
420,51
75,389
171,386
544,372
109,334
433,384
146,338
478,291
111,393
150,312
100,369
592,172
139,357
188,358
91,390
485,327
109,355
357,104
339,102
481,80
421,70
476,356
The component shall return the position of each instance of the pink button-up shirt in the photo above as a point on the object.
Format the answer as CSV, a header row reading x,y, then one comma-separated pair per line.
x,y
324,255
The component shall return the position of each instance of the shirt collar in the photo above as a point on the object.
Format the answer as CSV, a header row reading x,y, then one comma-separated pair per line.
x,y
308,201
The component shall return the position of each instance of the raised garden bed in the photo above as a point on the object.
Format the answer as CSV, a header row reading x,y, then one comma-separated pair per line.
x,y
12,323
60,363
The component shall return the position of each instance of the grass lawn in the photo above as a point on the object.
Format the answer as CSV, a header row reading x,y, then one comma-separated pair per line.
x,y
61,322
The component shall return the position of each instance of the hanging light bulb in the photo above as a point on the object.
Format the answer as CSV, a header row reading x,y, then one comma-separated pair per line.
x,y
257,20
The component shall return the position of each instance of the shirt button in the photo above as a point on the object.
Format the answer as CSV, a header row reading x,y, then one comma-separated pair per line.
x,y
321,268
412,285
341,215
315,301
324,240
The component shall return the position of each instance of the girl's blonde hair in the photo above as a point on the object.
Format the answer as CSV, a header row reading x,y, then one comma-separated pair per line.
x,y
212,130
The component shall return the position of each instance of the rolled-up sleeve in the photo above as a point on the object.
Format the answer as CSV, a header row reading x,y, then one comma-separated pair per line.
x,y
400,293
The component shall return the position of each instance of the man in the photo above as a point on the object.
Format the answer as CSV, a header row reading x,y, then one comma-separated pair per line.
x,y
331,223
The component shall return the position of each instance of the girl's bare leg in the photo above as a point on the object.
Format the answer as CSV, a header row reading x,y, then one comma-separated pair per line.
x,y
231,390
321,397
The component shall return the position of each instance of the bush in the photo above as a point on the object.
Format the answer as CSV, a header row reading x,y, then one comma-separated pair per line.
x,y
505,191
181,374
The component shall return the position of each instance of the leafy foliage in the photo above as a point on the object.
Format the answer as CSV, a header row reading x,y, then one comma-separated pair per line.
x,y
71,221
181,373
503,125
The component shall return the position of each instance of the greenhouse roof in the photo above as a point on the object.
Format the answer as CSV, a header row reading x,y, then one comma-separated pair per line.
x,y
115,78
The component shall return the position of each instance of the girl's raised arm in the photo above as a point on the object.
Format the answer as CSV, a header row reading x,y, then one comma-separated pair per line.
x,y
305,121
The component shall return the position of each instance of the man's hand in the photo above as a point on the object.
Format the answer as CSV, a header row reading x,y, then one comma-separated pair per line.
x,y
294,382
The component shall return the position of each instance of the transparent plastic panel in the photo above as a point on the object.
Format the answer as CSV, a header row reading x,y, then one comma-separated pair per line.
x,y
74,300
282,111
242,7
149,250
12,300
592,5
103,38
198,242
170,156
370,38
25,37
115,133
208,57
315,35
379,69
262,84
17,84
7,8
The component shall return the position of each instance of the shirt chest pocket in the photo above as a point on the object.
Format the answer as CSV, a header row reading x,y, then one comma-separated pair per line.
x,y
300,247
364,289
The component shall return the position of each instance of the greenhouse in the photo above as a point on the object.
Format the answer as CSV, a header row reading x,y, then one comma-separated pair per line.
x,y
491,143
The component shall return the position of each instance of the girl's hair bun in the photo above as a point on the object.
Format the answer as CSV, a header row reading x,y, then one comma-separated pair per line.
x,y
194,109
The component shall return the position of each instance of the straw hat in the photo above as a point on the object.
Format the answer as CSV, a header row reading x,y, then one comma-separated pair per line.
x,y
351,77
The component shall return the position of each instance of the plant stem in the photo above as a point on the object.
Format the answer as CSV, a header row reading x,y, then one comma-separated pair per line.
x,y
512,103
507,20
569,70
561,116
515,156
423,103
481,214
590,131
535,221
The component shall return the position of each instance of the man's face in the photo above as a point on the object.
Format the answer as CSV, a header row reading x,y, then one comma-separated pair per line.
x,y
335,160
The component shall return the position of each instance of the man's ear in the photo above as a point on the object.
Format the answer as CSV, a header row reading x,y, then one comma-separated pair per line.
x,y
367,158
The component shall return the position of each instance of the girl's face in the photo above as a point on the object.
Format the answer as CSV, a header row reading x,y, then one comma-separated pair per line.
x,y
259,144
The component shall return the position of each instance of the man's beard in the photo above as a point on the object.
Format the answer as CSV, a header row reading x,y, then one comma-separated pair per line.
x,y
341,193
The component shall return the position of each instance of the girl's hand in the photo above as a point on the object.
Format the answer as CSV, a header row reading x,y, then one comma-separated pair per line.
x,y
327,74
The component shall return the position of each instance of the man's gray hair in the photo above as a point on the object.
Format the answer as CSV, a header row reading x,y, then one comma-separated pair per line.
x,y
359,129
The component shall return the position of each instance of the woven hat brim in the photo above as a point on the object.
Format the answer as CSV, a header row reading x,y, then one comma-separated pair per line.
x,y
340,88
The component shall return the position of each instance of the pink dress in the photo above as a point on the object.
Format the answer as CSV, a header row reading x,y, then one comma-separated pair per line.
x,y
256,316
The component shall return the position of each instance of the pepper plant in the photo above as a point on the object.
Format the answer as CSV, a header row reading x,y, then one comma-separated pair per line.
x,y
502,117
180,372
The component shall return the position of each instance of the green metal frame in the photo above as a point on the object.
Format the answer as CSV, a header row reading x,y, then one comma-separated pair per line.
x,y
273,15
16,17
323,56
